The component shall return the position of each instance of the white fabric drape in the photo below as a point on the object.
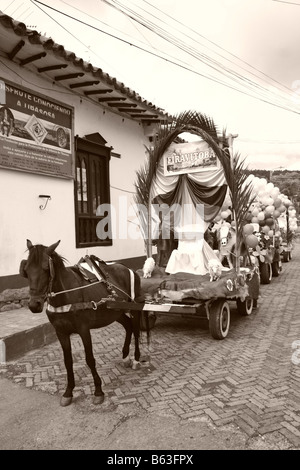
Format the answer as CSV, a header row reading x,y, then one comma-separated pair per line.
x,y
163,184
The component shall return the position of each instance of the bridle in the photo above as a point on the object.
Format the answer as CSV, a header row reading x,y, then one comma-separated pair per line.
x,y
48,290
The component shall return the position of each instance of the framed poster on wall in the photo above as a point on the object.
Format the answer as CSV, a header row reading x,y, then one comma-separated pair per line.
x,y
36,132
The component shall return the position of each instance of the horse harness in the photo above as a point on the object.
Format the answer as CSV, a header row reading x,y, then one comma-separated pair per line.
x,y
95,272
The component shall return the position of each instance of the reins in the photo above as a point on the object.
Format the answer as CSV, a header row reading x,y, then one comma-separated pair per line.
x,y
54,294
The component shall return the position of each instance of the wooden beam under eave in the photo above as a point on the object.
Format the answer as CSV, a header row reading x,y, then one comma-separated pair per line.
x,y
111,99
149,116
16,49
33,58
150,120
52,67
98,92
136,112
68,76
83,84
122,105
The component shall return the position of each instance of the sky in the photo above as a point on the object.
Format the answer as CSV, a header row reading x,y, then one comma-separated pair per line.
x,y
237,61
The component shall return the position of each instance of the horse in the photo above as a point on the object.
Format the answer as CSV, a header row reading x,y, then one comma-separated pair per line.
x,y
75,304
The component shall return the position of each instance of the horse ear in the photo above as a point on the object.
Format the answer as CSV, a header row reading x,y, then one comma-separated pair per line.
x,y
52,248
29,244
22,268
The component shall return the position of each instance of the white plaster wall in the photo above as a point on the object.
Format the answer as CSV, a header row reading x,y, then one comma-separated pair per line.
x,y
20,216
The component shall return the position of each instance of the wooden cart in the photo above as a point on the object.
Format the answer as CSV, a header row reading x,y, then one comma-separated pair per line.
x,y
199,298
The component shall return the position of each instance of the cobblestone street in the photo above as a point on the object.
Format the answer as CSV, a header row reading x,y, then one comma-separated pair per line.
x,y
250,380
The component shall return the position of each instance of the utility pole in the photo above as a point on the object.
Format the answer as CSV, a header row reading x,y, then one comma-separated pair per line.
x,y
231,137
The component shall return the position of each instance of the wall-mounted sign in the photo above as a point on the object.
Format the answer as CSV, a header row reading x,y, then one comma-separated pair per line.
x,y
36,132
189,157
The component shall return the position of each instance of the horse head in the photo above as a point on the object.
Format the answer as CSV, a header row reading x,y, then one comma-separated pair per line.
x,y
225,234
38,269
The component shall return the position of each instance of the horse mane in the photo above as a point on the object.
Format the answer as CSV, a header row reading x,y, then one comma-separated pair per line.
x,y
36,256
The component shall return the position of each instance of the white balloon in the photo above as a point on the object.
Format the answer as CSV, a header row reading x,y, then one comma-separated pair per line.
x,y
275,192
263,182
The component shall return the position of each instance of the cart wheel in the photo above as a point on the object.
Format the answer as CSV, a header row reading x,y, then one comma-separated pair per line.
x,y
275,269
219,319
265,273
151,319
245,308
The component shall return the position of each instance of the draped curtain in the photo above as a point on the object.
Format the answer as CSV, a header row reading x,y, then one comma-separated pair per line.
x,y
204,191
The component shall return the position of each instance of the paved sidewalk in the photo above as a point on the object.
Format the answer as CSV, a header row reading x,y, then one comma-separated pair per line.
x,y
21,331
249,382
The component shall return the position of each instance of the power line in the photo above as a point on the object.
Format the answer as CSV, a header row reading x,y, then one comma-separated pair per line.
x,y
219,47
225,71
165,35
212,63
163,58
290,3
113,28
273,142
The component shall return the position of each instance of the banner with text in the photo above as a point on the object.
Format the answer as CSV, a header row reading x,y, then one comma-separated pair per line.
x,y
189,157
36,133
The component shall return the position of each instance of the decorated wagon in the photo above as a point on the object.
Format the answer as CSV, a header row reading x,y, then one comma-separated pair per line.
x,y
269,215
179,193
288,227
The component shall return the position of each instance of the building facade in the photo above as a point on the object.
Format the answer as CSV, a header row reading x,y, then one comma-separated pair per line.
x,y
71,141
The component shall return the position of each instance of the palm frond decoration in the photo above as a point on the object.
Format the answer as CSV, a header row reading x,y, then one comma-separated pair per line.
x,y
187,121
241,193
199,124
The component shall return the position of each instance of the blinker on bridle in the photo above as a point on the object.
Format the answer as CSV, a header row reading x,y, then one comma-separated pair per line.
x,y
51,278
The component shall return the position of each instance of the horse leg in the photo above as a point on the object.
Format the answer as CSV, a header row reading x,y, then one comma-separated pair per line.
x,y
136,326
124,320
65,343
130,327
90,360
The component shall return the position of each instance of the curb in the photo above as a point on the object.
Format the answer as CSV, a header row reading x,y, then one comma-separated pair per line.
x,y
17,344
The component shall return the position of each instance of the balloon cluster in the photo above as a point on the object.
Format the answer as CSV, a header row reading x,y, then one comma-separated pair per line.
x,y
293,225
268,207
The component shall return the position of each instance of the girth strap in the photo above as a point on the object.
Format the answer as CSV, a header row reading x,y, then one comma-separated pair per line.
x,y
132,291
69,307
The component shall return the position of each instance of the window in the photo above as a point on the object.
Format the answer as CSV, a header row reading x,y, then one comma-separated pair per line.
x,y
91,189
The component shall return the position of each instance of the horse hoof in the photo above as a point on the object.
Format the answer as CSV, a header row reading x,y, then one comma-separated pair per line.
x,y
98,400
127,362
136,365
65,401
